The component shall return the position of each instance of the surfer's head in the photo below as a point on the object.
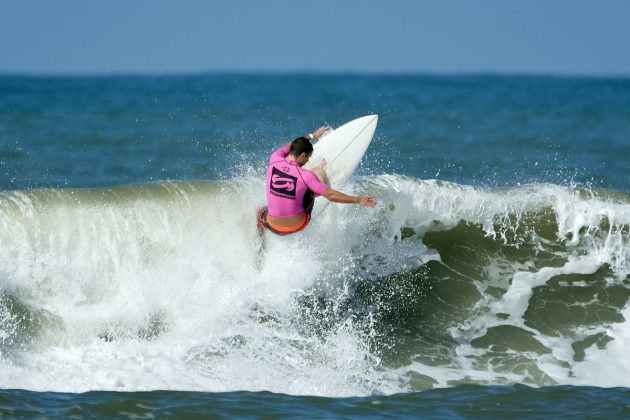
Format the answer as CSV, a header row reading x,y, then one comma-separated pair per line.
x,y
301,150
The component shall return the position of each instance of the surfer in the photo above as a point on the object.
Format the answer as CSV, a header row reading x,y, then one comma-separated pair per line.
x,y
291,189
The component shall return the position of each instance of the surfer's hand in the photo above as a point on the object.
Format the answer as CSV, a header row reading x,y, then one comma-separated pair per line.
x,y
367,200
320,131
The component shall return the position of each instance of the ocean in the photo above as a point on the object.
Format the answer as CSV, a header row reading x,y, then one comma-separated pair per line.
x,y
492,280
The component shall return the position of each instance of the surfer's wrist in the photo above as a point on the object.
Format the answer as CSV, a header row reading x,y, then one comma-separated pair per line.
x,y
310,136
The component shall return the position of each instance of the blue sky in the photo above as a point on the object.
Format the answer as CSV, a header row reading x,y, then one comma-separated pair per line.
x,y
443,36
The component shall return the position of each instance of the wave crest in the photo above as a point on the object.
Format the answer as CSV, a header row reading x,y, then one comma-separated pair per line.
x,y
442,284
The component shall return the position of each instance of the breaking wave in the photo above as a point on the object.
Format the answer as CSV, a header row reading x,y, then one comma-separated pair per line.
x,y
170,286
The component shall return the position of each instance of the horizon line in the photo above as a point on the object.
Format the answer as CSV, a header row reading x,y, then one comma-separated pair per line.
x,y
298,72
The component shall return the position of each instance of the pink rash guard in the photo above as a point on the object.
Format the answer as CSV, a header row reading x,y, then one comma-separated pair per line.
x,y
289,185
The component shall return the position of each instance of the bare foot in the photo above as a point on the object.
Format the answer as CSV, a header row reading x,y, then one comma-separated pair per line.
x,y
321,165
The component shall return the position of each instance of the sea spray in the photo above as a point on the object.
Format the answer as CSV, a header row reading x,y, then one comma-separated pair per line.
x,y
170,286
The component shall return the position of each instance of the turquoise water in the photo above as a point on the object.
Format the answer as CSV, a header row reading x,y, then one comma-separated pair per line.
x,y
492,280
461,402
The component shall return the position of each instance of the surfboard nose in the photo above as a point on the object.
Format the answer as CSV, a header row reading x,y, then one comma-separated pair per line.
x,y
369,119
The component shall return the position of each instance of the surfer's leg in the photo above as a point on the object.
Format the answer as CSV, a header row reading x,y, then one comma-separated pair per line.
x,y
260,254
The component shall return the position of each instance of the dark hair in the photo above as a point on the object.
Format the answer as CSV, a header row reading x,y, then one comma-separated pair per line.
x,y
301,145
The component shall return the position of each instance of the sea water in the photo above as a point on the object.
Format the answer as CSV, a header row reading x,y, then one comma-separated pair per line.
x,y
492,278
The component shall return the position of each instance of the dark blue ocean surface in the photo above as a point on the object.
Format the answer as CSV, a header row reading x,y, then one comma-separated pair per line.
x,y
480,130
492,280
472,402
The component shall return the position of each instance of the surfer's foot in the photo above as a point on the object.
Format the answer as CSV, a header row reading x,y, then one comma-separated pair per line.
x,y
321,165
321,173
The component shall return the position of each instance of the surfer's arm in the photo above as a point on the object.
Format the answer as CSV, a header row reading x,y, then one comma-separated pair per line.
x,y
339,197
314,135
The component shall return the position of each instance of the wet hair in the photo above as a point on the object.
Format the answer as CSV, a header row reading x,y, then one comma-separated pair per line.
x,y
301,145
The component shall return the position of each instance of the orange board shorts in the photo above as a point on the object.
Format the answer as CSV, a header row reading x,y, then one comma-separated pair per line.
x,y
264,223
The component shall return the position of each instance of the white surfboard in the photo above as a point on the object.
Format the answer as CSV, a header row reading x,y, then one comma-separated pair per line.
x,y
343,149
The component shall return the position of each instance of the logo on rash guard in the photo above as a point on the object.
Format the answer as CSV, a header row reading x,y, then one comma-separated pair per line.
x,y
282,184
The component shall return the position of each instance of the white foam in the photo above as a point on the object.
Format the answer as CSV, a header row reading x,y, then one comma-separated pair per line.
x,y
166,290
608,367
155,293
